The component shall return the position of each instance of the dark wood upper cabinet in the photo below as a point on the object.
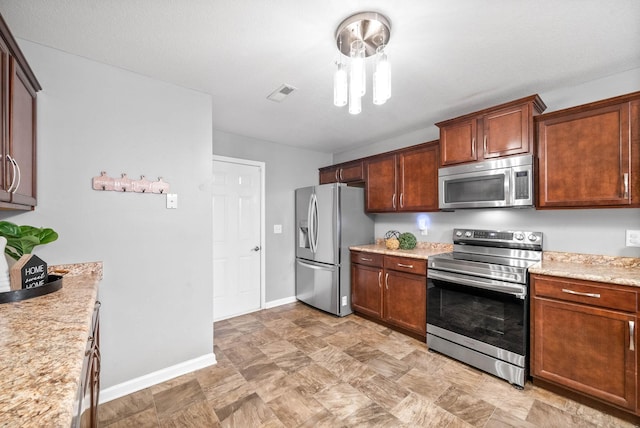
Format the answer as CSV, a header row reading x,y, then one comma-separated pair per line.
x,y
348,172
404,180
419,179
498,131
18,88
381,184
589,156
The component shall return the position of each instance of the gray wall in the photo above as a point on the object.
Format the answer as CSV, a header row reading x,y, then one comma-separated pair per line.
x,y
157,295
286,169
594,231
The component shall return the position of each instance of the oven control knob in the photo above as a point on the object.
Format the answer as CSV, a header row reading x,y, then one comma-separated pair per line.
x,y
519,236
467,234
458,233
533,238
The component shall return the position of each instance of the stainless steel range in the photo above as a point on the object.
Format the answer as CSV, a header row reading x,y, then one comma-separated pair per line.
x,y
478,300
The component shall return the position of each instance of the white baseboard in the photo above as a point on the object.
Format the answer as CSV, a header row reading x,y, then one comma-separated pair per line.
x,y
274,303
156,377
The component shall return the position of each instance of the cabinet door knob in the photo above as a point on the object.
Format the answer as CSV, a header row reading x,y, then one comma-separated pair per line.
x,y
256,248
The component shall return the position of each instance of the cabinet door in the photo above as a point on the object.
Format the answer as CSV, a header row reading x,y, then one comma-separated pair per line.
x,y
405,301
328,175
507,132
366,290
5,166
587,349
381,184
458,142
419,180
585,159
22,136
346,173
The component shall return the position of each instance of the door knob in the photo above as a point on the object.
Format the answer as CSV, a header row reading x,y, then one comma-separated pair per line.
x,y
256,248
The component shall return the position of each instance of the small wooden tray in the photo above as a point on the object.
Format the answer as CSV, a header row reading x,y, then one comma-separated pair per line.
x,y
54,283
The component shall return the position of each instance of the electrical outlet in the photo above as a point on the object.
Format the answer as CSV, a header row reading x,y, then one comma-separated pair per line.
x,y
277,228
172,200
633,238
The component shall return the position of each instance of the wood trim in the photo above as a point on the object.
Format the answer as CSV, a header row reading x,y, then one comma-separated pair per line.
x,y
538,104
5,32
589,106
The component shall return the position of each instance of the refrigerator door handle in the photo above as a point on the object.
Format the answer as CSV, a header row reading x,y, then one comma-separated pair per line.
x,y
316,267
310,222
314,222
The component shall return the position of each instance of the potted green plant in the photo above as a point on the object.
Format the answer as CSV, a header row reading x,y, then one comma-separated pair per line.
x,y
22,239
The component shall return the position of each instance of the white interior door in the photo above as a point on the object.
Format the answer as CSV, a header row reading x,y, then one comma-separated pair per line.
x,y
237,224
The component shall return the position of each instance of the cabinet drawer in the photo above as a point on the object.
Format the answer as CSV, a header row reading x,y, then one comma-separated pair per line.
x,y
406,264
586,292
368,259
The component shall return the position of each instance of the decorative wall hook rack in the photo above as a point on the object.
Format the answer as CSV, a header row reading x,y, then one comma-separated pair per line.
x,y
125,184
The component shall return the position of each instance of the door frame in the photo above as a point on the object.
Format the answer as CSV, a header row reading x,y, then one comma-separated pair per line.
x,y
261,166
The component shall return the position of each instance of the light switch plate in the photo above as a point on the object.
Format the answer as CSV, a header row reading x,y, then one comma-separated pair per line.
x,y
277,228
172,200
633,238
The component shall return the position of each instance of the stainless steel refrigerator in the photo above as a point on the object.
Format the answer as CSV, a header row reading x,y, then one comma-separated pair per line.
x,y
329,219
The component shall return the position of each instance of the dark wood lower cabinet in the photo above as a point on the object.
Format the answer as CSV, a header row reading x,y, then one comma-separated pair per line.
x,y
391,290
366,290
405,299
584,338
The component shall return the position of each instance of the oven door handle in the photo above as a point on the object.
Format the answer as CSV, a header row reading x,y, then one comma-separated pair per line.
x,y
516,290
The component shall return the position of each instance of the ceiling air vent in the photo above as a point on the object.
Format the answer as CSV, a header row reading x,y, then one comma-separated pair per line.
x,y
281,93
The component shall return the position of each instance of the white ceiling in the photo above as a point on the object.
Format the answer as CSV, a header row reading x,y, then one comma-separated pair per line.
x,y
449,57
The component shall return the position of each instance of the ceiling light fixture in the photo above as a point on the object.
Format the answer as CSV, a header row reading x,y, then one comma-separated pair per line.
x,y
358,37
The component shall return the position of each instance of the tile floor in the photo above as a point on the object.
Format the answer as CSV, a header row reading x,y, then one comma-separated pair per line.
x,y
294,366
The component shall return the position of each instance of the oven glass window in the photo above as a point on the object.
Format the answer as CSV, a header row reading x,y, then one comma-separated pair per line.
x,y
485,188
490,317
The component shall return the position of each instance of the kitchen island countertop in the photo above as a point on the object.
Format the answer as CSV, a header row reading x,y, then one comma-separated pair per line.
x,y
42,345
607,269
422,251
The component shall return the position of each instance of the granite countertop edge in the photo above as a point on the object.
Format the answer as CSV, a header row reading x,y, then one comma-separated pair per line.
x,y
422,251
589,267
42,345
606,269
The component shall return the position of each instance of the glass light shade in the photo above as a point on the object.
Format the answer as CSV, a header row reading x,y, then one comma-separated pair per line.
x,y
355,101
340,89
381,78
358,75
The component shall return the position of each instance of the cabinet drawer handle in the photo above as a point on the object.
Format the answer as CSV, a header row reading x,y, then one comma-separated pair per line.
x,y
632,328
577,293
625,179
364,259
380,279
405,266
386,280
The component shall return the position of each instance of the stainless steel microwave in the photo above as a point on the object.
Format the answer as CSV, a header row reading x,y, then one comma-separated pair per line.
x,y
498,183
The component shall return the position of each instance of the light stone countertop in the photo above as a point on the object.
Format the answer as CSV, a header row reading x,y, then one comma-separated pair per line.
x,y
422,251
608,269
42,345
